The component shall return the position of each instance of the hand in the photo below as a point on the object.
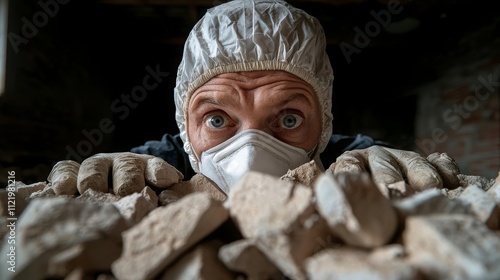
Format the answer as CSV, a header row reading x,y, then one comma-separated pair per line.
x,y
129,173
389,166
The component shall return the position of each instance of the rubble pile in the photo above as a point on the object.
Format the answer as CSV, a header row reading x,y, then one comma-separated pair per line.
x,y
306,225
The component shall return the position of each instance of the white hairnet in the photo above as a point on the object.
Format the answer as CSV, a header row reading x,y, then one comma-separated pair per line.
x,y
245,35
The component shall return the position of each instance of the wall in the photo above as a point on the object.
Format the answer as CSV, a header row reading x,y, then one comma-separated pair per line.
x,y
459,112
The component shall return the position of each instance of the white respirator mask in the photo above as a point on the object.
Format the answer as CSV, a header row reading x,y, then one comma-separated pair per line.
x,y
250,150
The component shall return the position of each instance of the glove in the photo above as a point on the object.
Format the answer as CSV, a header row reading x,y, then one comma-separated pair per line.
x,y
129,173
388,166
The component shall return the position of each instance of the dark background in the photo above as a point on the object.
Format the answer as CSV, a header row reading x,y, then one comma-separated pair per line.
x,y
66,77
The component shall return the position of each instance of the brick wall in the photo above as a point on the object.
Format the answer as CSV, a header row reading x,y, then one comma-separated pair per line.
x,y
459,114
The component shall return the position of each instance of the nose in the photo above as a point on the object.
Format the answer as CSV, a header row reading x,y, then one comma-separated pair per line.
x,y
258,124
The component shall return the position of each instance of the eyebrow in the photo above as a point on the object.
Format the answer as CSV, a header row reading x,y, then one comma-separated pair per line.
x,y
278,100
293,97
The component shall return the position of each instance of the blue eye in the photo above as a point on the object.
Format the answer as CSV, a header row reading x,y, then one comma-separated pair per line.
x,y
290,121
216,121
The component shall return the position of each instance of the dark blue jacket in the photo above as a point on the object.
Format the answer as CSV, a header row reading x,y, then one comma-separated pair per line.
x,y
170,149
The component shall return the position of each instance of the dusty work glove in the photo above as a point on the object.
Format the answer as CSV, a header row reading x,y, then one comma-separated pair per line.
x,y
389,166
129,173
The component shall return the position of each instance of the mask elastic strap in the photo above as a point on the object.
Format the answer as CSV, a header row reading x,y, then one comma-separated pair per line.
x,y
311,152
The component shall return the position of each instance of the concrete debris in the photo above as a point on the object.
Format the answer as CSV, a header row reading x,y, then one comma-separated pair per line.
x,y
481,182
166,233
351,263
200,263
308,224
49,226
452,194
93,196
305,174
483,205
430,201
452,246
198,183
355,210
26,190
137,205
494,190
281,217
243,256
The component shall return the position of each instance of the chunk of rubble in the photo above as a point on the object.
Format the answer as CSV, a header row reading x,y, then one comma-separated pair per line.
x,y
49,226
350,263
47,192
484,206
150,195
430,201
135,206
26,190
167,232
243,256
83,257
306,174
494,190
452,246
92,196
280,216
199,263
355,209
481,182
452,194
198,183
398,190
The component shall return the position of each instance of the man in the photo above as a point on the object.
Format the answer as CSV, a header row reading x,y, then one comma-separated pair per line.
x,y
254,92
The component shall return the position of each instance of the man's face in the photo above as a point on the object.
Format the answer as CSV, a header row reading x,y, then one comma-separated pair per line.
x,y
275,102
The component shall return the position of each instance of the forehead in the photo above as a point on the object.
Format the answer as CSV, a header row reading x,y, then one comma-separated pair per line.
x,y
256,78
232,87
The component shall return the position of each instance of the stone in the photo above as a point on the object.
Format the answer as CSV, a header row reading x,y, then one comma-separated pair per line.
x,y
47,192
198,183
398,190
78,274
481,182
355,209
91,256
49,226
494,190
93,196
150,195
430,201
243,256
165,233
135,206
350,263
452,246
484,206
388,253
306,174
452,194
280,216
199,263
26,190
